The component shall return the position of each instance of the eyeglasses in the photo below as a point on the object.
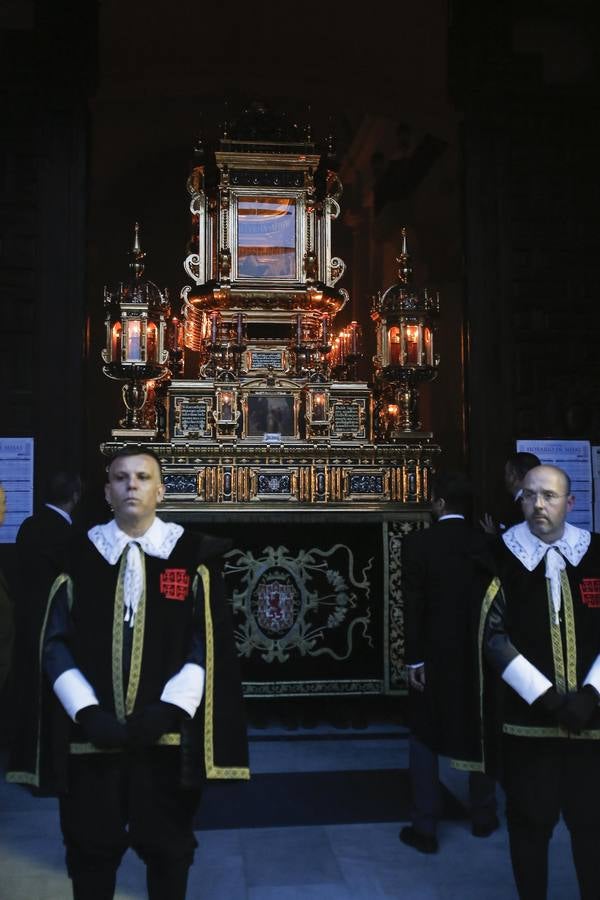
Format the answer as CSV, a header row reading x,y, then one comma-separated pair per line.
x,y
549,498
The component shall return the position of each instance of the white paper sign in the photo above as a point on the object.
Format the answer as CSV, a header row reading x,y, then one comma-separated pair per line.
x,y
16,477
575,458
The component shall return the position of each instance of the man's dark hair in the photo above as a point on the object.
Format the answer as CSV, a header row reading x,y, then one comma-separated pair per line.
x,y
522,462
62,488
455,489
133,450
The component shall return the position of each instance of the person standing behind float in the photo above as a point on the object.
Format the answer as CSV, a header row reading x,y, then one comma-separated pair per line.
x,y
438,578
145,688
542,635
42,553
516,468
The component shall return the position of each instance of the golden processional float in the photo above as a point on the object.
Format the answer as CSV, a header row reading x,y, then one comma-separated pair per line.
x,y
249,393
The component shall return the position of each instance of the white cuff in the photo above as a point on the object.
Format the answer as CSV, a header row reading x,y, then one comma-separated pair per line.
x,y
414,665
593,676
525,679
74,692
186,688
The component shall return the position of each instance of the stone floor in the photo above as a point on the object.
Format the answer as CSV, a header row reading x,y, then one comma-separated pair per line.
x,y
332,862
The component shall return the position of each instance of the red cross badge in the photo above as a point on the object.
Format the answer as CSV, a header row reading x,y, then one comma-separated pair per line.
x,y
590,592
174,584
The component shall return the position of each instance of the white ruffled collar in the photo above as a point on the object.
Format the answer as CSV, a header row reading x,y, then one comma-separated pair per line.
x,y
530,550
158,540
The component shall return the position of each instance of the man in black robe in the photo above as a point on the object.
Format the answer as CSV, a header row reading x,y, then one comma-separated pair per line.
x,y
542,635
42,553
441,615
141,700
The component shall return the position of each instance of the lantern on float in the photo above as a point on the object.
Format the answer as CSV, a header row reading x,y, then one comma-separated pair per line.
x,y
134,351
405,319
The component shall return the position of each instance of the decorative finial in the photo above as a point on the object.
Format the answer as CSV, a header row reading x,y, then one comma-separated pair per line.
x,y
199,150
308,127
137,255
405,270
225,135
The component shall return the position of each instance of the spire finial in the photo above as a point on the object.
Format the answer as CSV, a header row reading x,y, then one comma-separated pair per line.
x,y
308,127
405,270
137,255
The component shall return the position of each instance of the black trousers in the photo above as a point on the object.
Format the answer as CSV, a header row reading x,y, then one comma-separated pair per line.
x,y
543,779
121,800
423,766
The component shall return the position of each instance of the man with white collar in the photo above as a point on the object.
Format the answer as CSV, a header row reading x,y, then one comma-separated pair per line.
x,y
542,634
138,650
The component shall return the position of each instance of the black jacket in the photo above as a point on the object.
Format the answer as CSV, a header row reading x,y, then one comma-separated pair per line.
x,y
442,589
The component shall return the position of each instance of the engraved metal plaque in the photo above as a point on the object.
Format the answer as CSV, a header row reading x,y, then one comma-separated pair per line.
x,y
348,419
191,418
261,360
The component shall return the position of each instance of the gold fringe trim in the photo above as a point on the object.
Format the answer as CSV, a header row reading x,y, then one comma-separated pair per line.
x,y
212,770
488,599
570,641
23,778
33,778
464,765
167,740
135,668
555,731
117,644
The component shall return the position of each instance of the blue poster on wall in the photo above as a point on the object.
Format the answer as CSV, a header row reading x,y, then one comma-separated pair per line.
x,y
16,480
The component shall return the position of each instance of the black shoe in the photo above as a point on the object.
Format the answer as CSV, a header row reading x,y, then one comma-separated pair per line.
x,y
484,830
424,843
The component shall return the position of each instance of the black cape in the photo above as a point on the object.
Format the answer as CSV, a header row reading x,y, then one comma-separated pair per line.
x,y
213,743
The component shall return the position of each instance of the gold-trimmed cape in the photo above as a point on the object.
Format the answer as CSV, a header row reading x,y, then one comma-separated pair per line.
x,y
211,745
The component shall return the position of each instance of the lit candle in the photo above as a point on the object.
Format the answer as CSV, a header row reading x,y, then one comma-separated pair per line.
x,y
151,342
412,345
319,407
116,342
226,410
428,347
173,333
134,351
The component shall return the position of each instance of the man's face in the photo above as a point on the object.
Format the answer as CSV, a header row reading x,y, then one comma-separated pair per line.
x,y
546,502
134,490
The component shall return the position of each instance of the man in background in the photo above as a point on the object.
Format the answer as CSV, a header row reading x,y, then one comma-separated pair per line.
x,y
43,538
441,613
516,468
41,554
